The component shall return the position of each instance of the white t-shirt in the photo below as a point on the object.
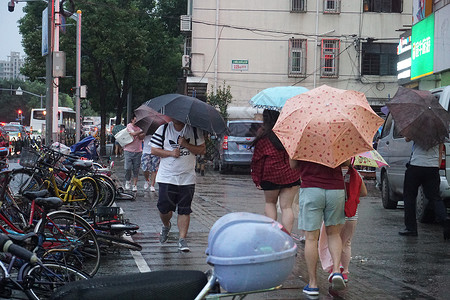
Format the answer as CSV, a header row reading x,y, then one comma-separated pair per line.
x,y
181,170
147,148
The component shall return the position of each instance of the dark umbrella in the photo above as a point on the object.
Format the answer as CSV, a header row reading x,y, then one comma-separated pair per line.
x,y
419,117
190,111
149,119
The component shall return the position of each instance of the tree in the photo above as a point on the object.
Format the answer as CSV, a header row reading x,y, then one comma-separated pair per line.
x,y
127,45
221,99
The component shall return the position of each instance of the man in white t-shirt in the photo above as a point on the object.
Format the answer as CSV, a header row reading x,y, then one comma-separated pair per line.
x,y
177,144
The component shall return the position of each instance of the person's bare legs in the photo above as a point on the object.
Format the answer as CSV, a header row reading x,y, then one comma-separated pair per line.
x,y
183,225
347,231
312,256
270,209
165,218
147,176
153,178
335,245
286,197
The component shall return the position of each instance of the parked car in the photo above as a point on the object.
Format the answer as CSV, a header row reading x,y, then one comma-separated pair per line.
x,y
234,149
396,151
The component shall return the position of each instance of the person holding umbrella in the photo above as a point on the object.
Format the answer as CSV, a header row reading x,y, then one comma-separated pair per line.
x,y
132,154
271,171
420,118
177,144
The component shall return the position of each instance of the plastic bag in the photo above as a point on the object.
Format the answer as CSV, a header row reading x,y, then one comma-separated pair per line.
x,y
123,137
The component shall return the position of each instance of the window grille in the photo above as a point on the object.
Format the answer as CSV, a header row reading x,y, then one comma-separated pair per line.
x,y
298,5
332,6
329,61
297,57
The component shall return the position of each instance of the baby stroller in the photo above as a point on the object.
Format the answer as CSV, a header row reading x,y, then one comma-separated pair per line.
x,y
86,148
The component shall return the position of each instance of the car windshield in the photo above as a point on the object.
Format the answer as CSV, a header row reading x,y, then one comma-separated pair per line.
x,y
244,129
11,128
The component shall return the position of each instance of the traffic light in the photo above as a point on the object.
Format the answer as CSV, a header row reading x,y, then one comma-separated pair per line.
x,y
11,5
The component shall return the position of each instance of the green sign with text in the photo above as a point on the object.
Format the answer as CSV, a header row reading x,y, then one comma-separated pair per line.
x,y
422,50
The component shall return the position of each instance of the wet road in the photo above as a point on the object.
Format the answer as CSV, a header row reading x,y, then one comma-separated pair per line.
x,y
384,265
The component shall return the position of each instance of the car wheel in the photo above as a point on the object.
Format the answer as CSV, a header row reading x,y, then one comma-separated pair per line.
x,y
225,168
386,194
424,211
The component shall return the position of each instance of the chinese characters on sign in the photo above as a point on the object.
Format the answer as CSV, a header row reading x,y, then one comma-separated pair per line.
x,y
239,65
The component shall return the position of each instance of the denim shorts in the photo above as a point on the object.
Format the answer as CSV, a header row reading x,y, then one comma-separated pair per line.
x,y
172,196
316,204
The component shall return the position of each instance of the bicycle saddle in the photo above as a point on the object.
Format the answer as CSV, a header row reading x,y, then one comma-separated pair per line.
x,y
82,164
49,203
31,195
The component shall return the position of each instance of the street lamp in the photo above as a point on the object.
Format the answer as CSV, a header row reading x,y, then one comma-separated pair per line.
x,y
19,92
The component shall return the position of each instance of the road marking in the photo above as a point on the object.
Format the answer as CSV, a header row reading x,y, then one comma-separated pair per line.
x,y
137,256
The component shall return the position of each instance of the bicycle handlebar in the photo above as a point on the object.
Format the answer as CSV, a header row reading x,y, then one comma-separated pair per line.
x,y
6,245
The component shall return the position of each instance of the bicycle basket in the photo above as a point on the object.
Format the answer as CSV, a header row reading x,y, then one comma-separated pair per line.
x,y
28,157
104,213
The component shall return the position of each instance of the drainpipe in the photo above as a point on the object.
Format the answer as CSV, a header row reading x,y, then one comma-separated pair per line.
x,y
216,53
315,43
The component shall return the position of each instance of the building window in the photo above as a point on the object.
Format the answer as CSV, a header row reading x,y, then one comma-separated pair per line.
x,y
332,6
387,6
379,59
297,57
298,5
329,60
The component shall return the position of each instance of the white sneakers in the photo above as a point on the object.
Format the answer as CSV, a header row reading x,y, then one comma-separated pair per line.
x,y
127,185
152,189
134,189
146,185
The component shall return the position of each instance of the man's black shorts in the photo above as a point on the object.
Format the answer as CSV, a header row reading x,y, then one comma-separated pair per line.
x,y
171,196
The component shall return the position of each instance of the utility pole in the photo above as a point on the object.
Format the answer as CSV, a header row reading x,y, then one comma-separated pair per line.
x,y
78,79
56,27
49,74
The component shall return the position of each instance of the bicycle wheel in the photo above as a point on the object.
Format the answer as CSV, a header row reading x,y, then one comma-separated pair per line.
x,y
86,197
15,212
70,239
42,280
107,193
111,240
24,180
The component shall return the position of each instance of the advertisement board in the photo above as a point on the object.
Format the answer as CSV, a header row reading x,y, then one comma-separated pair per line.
x,y
422,51
442,38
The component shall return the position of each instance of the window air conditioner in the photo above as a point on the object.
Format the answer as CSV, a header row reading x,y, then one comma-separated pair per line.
x,y
185,23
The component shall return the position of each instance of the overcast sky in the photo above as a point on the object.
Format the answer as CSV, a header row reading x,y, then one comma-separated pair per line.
x,y
10,39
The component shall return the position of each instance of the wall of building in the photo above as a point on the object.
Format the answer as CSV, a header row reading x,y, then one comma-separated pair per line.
x,y
259,31
10,68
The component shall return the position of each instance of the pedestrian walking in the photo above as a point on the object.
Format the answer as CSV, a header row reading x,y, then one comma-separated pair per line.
x,y
132,154
423,170
149,164
272,173
321,199
347,231
177,144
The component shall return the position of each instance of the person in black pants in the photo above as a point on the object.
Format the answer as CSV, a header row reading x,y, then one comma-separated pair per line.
x,y
423,169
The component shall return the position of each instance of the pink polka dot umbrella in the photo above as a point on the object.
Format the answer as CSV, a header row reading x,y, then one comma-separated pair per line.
x,y
327,125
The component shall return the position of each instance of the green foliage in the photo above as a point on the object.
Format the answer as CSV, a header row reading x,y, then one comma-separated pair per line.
x,y
221,99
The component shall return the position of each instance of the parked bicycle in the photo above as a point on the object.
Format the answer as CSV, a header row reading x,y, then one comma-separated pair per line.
x,y
37,279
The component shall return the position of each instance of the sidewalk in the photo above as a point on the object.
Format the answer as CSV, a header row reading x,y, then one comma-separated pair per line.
x,y
215,196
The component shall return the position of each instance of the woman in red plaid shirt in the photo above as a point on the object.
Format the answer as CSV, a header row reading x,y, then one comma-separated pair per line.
x,y
271,171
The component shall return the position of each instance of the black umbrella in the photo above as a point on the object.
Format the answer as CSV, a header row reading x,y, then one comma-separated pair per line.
x,y
190,111
419,117
149,119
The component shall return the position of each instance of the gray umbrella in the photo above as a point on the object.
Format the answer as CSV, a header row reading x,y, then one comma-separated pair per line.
x,y
189,110
419,116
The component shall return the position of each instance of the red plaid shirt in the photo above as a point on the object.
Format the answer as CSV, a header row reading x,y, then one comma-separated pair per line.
x,y
271,164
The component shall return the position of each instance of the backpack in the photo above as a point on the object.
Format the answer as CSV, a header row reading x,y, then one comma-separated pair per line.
x,y
352,182
164,134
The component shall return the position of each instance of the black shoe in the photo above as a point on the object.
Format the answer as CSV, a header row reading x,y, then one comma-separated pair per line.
x,y
407,232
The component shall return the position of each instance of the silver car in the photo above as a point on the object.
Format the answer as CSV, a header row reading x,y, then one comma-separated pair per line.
x,y
396,151
234,149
